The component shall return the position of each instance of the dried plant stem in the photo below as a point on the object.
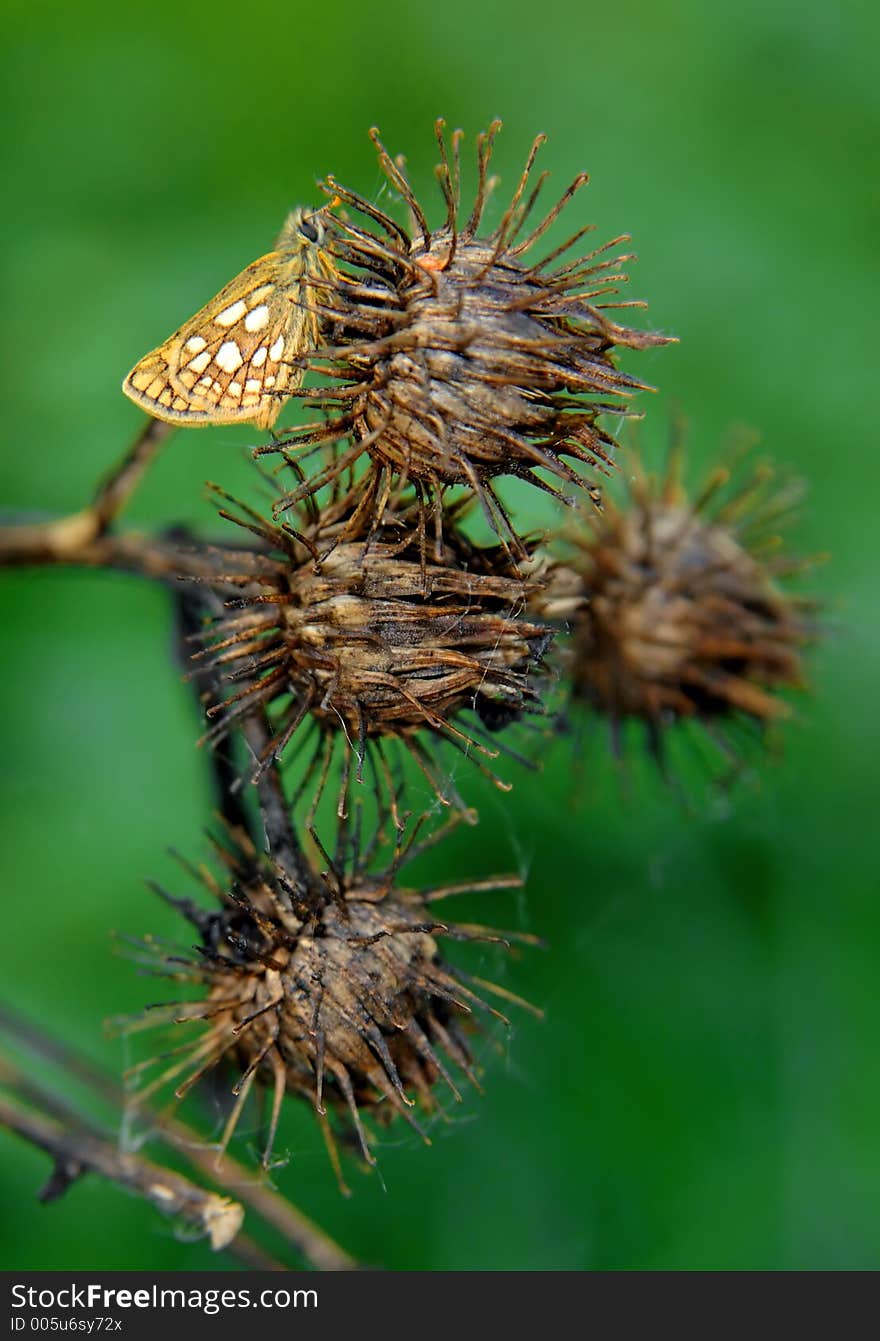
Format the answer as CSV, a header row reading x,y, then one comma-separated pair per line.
x,y
66,539
55,1111
189,611
76,1151
281,840
316,1246
193,602
318,1249
118,486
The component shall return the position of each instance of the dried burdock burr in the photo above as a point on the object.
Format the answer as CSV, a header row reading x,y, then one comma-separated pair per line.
x,y
344,999
676,606
453,357
368,641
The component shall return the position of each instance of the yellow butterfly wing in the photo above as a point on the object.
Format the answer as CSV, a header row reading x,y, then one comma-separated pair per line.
x,y
232,361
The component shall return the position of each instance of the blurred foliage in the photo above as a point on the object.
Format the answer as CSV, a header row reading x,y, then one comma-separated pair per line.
x,y
705,1089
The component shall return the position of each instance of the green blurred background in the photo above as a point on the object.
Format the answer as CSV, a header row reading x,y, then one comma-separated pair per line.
x,y
705,1088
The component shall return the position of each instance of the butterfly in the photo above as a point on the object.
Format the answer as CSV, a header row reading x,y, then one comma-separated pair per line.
x,y
232,362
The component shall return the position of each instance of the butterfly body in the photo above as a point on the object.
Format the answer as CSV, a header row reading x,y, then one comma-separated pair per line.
x,y
234,361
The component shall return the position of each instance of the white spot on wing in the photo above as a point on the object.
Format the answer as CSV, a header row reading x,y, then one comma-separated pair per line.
x,y
257,319
228,357
195,344
259,357
201,361
277,349
230,315
234,388
252,384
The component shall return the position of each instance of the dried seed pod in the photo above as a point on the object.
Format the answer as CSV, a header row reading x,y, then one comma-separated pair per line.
x,y
346,1002
457,359
371,640
674,603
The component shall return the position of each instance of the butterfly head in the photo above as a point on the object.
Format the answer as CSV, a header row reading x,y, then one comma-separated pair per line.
x,y
302,228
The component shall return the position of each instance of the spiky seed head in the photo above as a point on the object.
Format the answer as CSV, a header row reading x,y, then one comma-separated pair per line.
x,y
457,357
380,638
346,1002
675,603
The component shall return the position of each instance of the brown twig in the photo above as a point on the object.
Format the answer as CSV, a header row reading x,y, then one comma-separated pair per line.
x,y
76,1151
315,1246
52,1106
281,840
71,541
85,540
184,564
68,539
192,603
118,486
